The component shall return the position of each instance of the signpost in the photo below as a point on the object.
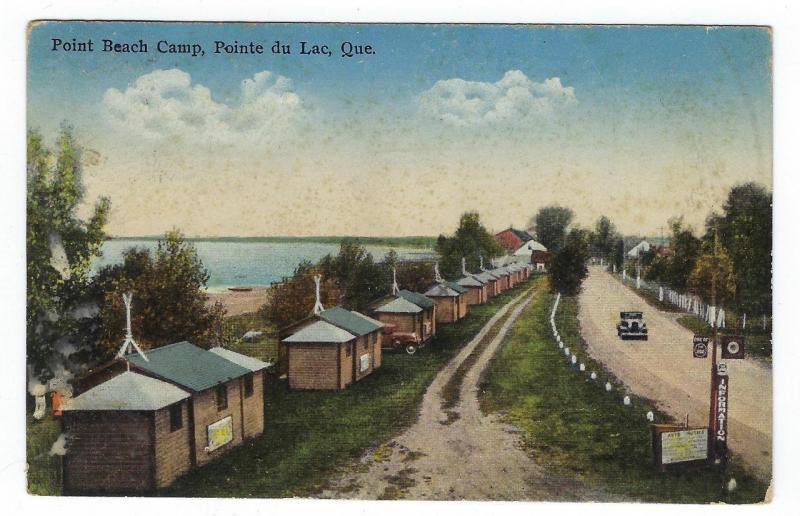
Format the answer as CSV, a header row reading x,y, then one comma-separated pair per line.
x,y
721,387
700,346
732,346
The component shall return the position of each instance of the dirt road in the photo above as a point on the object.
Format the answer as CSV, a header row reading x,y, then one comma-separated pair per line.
x,y
664,370
463,455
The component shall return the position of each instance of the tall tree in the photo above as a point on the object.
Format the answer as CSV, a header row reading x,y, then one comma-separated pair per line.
x,y
169,299
713,277
551,224
568,267
745,231
471,240
603,238
60,247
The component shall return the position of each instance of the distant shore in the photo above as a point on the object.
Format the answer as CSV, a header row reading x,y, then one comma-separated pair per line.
x,y
408,242
239,302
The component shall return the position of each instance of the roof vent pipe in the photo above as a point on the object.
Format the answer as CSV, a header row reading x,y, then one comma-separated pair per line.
x,y
318,308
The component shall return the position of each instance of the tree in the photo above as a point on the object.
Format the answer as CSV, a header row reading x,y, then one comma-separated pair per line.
x,y
745,231
618,255
169,299
292,300
713,278
359,279
684,251
568,266
603,238
60,247
471,241
551,224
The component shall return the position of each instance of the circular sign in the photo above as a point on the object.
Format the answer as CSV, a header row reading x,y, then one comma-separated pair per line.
x,y
733,347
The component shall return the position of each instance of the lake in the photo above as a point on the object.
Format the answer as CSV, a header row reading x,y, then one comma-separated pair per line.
x,y
236,264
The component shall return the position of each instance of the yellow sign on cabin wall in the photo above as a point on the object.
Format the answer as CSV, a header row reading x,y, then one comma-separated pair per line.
x,y
220,433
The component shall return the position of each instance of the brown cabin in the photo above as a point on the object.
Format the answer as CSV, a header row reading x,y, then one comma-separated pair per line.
x,y
448,302
333,349
408,312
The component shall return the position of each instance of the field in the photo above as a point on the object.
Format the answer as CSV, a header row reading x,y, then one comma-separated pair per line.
x,y
570,424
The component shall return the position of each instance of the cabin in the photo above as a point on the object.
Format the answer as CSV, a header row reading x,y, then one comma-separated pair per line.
x,y
171,409
223,394
503,282
448,302
406,315
333,349
130,434
476,289
463,306
490,282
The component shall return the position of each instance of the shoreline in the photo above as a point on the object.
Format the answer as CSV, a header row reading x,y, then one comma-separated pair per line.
x,y
238,302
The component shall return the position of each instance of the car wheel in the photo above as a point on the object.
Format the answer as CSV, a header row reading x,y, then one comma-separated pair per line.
x,y
411,349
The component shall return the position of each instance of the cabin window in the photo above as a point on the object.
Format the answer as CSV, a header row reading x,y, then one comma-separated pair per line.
x,y
222,397
248,385
175,417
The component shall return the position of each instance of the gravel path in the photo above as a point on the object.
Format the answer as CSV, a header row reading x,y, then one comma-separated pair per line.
x,y
463,455
663,369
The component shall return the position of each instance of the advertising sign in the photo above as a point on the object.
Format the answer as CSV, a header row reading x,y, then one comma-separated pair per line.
x,y
220,433
732,346
684,446
364,362
700,346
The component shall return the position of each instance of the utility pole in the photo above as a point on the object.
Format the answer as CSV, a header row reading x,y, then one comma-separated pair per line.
x,y
712,412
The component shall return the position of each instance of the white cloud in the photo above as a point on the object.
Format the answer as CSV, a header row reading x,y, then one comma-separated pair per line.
x,y
165,104
514,98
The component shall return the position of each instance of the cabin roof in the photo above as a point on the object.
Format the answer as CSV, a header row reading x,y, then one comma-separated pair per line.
x,y
418,299
470,281
455,286
128,391
253,364
486,277
442,290
320,331
188,365
353,322
399,305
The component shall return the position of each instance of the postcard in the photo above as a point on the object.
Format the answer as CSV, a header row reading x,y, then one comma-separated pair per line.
x,y
399,261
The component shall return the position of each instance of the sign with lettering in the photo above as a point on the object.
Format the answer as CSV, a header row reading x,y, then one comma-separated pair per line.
x,y
721,390
220,433
700,346
684,446
732,346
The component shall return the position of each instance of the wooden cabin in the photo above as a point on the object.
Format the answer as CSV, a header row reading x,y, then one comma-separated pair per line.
x,y
448,302
490,281
503,280
333,349
130,434
476,289
140,429
406,315
463,306
227,400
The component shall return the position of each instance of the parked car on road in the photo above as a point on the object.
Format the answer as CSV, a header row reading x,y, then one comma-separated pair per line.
x,y
632,326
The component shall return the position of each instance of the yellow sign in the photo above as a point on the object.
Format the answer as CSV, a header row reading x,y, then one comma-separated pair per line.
x,y
220,433
684,446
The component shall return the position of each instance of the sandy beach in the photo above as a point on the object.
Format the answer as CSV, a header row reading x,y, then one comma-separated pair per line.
x,y
237,303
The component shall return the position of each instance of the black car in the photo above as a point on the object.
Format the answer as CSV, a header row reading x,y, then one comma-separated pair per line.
x,y
632,326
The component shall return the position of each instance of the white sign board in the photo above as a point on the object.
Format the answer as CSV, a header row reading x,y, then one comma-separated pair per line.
x,y
364,362
220,433
684,446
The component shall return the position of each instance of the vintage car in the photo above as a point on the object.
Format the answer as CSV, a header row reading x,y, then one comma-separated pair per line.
x,y
631,326
394,340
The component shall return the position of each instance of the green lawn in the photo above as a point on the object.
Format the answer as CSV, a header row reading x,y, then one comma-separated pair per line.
x,y
311,435
44,471
575,428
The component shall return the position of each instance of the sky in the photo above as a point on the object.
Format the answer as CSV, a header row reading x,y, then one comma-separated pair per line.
x,y
636,123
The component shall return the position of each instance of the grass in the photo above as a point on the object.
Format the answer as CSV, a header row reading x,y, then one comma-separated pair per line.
x,y
263,347
312,435
44,471
573,427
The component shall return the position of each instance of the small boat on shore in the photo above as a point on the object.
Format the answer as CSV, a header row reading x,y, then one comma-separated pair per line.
x,y
240,289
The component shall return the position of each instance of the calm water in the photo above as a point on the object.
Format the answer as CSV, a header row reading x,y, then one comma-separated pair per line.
x,y
249,263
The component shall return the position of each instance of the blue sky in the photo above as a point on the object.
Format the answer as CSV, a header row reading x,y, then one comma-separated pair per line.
x,y
640,106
